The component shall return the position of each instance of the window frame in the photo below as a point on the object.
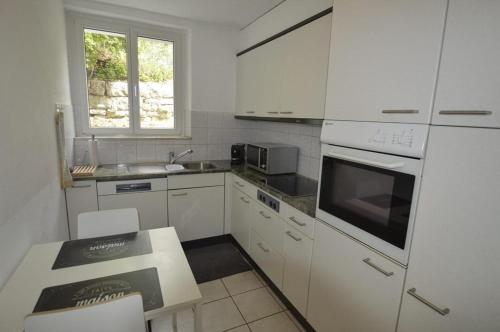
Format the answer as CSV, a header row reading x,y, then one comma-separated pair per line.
x,y
131,30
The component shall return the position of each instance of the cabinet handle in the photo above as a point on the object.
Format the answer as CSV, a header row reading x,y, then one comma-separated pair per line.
x,y
442,312
379,269
286,112
262,247
400,111
181,194
81,186
250,112
297,222
272,112
465,112
264,215
239,184
293,236
244,200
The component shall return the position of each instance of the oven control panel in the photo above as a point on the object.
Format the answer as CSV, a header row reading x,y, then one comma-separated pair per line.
x,y
269,201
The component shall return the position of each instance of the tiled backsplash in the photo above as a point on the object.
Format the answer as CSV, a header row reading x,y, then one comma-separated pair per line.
x,y
212,135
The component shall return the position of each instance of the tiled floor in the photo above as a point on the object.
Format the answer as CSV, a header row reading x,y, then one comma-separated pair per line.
x,y
238,303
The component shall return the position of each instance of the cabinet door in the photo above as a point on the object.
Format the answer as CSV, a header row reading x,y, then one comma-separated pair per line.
x,y
152,206
297,250
246,84
352,289
454,260
303,88
271,262
196,213
268,225
81,197
240,214
384,59
469,74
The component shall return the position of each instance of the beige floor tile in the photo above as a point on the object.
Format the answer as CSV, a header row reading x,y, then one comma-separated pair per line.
x,y
213,290
299,326
185,322
220,316
256,304
276,298
275,323
243,328
241,282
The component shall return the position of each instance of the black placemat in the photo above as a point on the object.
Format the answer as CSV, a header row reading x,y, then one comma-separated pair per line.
x,y
100,249
98,290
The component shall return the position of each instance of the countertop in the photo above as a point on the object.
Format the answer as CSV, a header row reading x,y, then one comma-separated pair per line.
x,y
306,204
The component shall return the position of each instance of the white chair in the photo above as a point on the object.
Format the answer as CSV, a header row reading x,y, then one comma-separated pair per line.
x,y
120,315
107,222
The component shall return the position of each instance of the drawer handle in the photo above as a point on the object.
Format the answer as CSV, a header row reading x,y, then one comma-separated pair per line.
x,y
244,200
273,112
400,111
442,312
262,247
286,112
293,236
465,112
297,222
264,215
379,269
250,112
181,194
239,184
82,186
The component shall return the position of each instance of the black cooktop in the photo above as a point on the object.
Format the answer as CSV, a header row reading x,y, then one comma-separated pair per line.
x,y
291,184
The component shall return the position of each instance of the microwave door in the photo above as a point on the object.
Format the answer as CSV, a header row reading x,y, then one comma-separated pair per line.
x,y
253,155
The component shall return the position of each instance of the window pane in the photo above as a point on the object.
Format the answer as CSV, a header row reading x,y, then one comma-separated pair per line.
x,y
156,83
107,85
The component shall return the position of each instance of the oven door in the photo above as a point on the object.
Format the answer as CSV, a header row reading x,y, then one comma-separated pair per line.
x,y
370,196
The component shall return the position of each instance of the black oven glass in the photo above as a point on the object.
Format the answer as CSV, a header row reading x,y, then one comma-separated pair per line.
x,y
253,155
374,199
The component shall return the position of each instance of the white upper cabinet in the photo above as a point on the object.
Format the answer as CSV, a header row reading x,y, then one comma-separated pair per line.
x,y
469,75
286,77
454,261
384,59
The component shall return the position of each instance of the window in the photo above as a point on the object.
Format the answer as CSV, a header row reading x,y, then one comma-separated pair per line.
x,y
129,77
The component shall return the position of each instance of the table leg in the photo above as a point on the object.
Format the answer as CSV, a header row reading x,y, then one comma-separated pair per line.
x,y
197,317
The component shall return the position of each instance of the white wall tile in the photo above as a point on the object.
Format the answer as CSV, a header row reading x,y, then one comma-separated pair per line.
x,y
126,152
106,152
215,120
214,152
146,152
199,152
198,119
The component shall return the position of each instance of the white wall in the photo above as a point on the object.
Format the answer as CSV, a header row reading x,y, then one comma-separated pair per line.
x,y
280,18
34,77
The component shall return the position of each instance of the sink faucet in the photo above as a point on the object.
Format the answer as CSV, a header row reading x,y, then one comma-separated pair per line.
x,y
172,158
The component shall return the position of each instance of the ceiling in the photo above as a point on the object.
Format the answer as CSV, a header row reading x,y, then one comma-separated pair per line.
x,y
238,13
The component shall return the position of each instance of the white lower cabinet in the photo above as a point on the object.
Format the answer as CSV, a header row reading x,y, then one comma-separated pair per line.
x,y
297,250
352,288
240,217
271,262
81,197
269,226
196,212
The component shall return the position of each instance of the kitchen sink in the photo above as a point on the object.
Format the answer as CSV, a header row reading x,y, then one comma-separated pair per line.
x,y
146,169
198,165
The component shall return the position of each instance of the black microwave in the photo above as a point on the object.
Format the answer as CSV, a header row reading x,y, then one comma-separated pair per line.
x,y
272,158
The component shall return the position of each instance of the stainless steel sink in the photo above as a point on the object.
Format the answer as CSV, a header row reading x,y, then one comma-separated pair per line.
x,y
146,169
199,165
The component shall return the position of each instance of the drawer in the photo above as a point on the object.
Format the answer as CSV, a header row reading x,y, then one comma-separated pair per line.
x,y
195,180
300,221
269,226
271,262
245,186
130,186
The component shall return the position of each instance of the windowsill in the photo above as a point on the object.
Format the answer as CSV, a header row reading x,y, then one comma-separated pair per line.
x,y
132,137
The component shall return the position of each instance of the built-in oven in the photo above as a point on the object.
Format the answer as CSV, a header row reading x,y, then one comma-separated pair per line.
x,y
369,182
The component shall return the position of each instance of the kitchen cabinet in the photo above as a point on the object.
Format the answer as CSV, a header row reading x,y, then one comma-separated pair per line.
x,y
384,59
267,258
352,288
299,220
148,196
286,77
269,226
80,197
297,250
196,212
241,209
469,73
454,262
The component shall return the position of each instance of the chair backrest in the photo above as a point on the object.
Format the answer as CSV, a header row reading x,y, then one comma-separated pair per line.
x,y
107,222
124,314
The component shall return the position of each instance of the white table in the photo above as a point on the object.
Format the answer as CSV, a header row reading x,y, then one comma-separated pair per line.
x,y
178,286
